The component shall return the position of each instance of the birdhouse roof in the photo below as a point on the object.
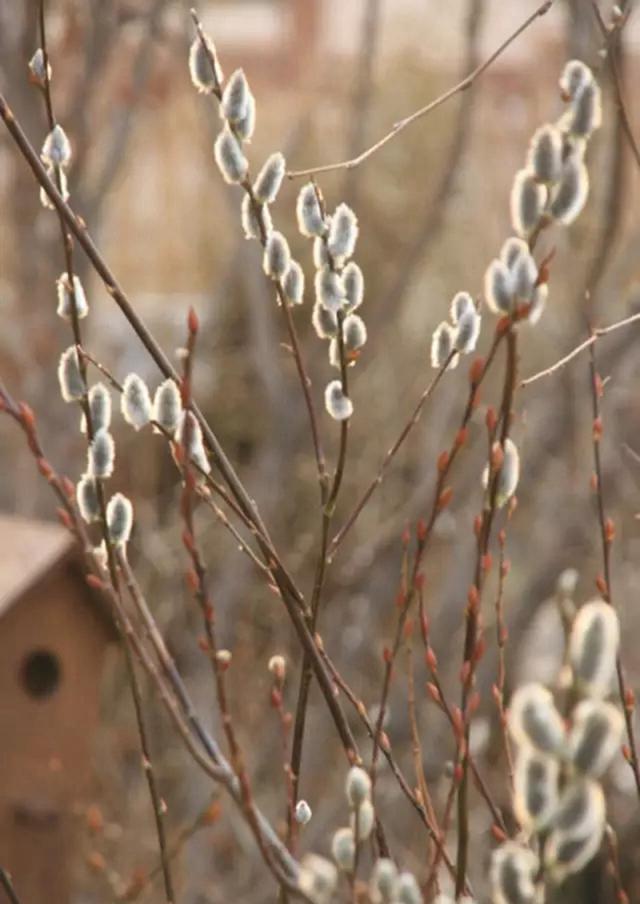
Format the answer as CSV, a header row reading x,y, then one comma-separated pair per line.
x,y
29,551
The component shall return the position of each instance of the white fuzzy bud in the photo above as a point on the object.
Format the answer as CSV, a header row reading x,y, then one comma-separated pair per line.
x,y
408,890
575,76
277,665
204,66
66,297
595,736
318,879
99,408
37,68
545,154
309,213
365,816
527,202
251,219
59,179
524,273
343,233
353,284
513,873
509,473
135,402
498,290
167,405
535,788
339,406
72,385
537,303
303,813
382,886
189,435
534,720
586,111
320,252
343,849
229,157
293,283
460,304
325,322
354,333
101,556
593,648
56,150
101,455
119,519
578,828
277,256
570,194
357,786
269,179
329,289
442,345
468,331
87,499
511,251
334,354
235,97
246,126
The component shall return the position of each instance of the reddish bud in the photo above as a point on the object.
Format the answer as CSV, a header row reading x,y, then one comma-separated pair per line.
x,y
421,530
445,498
473,598
502,536
64,518
629,700
505,568
94,582
45,468
408,628
609,530
598,385
191,579
431,660
203,644
192,322
434,693
465,673
597,429
594,482
626,753
480,648
406,536
188,541
461,437
458,772
503,636
276,698
601,584
497,457
387,656
486,562
419,581
498,834
208,612
27,416
491,419
473,704
400,599
69,488
477,525
476,371
443,461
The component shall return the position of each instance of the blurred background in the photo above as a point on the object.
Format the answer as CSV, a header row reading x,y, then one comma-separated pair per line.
x,y
329,78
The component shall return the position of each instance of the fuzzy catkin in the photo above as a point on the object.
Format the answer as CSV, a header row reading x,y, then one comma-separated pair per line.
x,y
357,786
119,519
408,890
167,405
99,408
87,499
338,405
442,346
460,304
353,284
67,298
320,253
498,288
570,194
318,878
527,202
382,885
235,97
593,648
101,455
535,788
56,150
343,849
468,331
254,221
354,332
324,322
135,402
343,232
586,111
513,871
293,283
59,179
545,154
72,386
189,435
310,219
277,256
595,736
228,155
574,77
37,67
205,76
578,828
269,179
534,720
245,127
329,289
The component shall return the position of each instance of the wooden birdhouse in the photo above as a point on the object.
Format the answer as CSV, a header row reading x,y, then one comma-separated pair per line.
x,y
53,639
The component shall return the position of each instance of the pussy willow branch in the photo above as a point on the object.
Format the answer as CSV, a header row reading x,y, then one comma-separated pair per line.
x,y
7,885
290,595
583,346
398,127
473,608
607,536
157,803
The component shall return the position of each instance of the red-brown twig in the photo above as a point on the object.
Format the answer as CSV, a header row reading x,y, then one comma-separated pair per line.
x,y
398,127
501,642
604,581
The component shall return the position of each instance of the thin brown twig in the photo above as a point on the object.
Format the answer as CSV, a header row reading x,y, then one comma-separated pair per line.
x,y
398,127
607,534
7,884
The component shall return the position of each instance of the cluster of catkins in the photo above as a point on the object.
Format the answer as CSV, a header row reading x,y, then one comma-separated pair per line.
x,y
339,283
558,800
319,876
552,187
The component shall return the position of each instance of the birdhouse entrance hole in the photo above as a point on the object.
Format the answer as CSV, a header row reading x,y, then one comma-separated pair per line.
x,y
40,673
